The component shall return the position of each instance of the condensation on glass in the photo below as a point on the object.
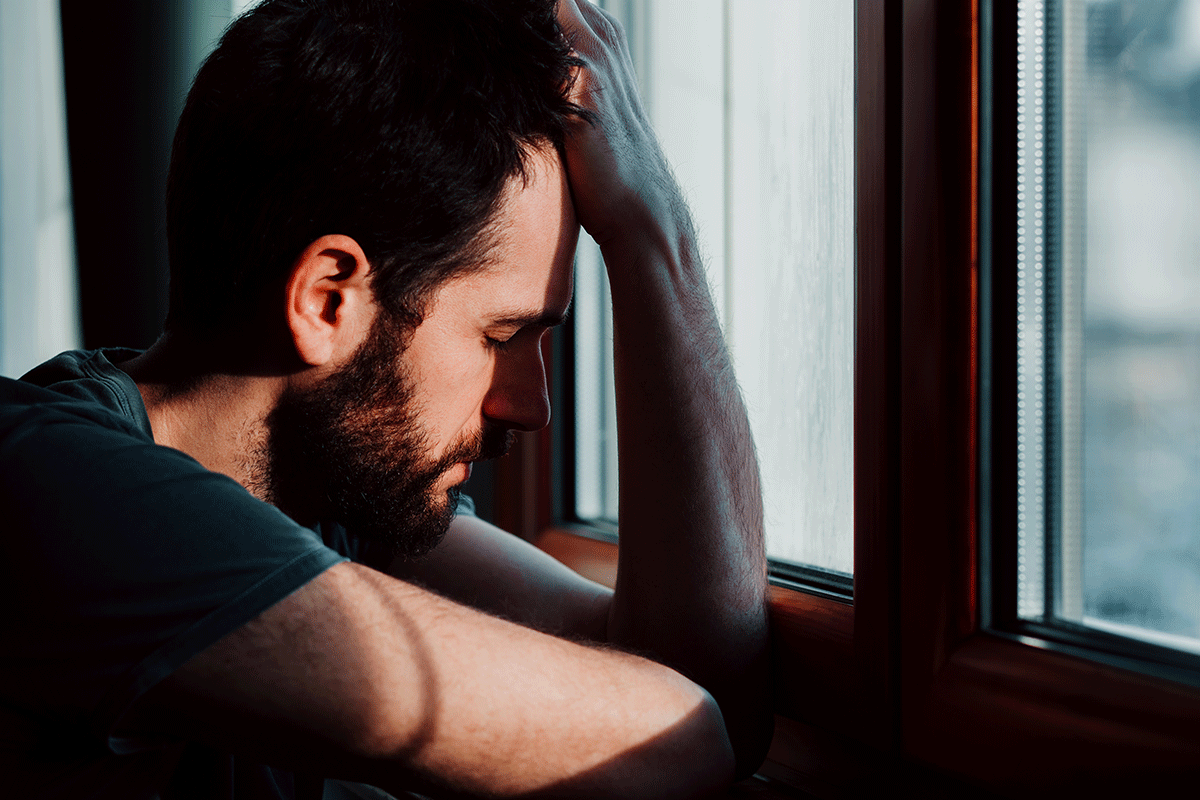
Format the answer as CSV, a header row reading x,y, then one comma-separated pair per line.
x,y
1108,305
754,104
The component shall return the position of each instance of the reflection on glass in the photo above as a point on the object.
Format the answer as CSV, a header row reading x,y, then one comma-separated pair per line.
x,y
1120,264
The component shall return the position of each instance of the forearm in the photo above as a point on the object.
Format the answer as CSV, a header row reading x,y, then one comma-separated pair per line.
x,y
691,581
521,714
359,676
479,565
692,575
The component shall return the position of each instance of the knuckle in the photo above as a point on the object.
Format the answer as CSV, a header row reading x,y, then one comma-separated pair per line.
x,y
613,30
604,24
614,23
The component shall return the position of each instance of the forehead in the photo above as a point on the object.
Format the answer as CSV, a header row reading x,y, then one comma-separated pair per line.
x,y
534,235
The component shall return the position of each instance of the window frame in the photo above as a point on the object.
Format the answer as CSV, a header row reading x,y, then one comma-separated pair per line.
x,y
834,652
919,680
981,697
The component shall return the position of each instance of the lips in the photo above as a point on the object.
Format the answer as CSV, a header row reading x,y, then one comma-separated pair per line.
x,y
491,442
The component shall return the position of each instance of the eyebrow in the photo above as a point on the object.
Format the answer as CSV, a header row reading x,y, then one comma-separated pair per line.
x,y
545,319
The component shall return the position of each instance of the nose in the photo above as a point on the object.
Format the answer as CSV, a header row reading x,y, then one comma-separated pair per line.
x,y
518,397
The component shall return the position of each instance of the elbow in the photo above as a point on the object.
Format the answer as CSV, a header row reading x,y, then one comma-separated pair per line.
x,y
689,758
751,739
747,702
721,754
708,762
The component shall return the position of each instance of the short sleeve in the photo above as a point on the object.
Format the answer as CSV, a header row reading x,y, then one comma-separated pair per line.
x,y
123,560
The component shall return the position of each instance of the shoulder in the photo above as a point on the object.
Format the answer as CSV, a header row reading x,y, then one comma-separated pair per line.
x,y
91,376
127,558
27,406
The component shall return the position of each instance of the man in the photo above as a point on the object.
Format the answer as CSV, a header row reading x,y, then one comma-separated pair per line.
x,y
372,213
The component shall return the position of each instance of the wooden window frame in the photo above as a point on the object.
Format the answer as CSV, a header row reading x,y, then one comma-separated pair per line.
x,y
907,682
832,659
1013,712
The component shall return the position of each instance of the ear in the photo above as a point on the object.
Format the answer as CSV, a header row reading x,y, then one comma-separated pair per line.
x,y
330,305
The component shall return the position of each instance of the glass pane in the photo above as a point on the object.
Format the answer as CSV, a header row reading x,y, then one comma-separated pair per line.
x,y
38,303
1109,315
754,103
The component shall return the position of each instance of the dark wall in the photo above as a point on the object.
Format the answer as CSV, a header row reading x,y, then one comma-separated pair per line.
x,y
128,66
127,69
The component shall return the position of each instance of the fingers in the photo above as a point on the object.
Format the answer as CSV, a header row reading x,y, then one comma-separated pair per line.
x,y
598,39
615,157
570,18
587,24
574,27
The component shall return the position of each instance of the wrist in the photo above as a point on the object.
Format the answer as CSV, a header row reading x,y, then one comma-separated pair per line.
x,y
652,234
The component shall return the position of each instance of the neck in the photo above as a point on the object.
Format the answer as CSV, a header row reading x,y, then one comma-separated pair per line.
x,y
211,408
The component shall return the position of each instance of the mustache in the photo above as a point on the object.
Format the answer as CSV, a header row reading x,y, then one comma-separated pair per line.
x,y
490,441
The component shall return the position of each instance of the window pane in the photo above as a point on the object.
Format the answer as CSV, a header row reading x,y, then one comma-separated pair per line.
x,y
38,299
1109,316
753,102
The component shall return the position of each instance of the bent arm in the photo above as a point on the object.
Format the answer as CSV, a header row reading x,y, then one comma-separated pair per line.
x,y
691,585
361,676
484,567
691,577
691,581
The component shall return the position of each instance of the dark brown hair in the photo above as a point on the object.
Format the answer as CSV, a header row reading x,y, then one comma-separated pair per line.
x,y
397,123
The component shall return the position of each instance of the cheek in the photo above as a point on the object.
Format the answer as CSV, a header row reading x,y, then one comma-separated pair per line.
x,y
451,388
451,365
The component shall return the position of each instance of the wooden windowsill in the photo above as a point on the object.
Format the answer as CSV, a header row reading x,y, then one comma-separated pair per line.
x,y
812,643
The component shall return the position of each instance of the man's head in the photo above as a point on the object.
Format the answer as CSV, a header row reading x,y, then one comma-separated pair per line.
x,y
394,122
332,149
387,422
354,447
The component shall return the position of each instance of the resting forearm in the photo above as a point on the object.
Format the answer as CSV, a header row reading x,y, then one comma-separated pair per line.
x,y
361,676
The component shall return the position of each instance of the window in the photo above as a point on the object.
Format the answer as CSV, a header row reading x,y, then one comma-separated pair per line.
x,y
37,247
754,106
994,689
948,670
1108,290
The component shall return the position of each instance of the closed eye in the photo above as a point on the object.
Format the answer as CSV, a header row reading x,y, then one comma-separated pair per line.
x,y
509,327
494,343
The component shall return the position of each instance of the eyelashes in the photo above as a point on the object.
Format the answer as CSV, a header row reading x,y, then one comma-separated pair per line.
x,y
496,344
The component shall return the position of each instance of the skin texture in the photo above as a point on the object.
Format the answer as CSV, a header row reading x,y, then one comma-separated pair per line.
x,y
691,585
691,582
371,677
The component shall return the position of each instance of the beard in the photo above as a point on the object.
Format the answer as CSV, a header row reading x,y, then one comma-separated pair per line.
x,y
351,449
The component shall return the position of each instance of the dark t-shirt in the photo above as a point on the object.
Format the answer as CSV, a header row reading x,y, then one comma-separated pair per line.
x,y
122,560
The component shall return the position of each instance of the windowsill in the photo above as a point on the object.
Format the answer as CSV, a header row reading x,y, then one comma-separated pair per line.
x,y
1052,718
816,751
812,636
812,646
